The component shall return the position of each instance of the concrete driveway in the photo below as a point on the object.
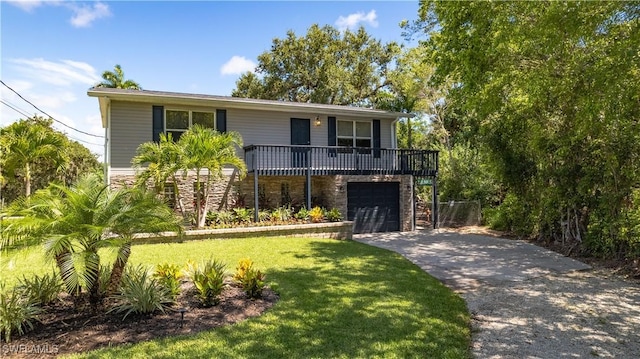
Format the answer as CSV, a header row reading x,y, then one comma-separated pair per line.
x,y
526,301
464,262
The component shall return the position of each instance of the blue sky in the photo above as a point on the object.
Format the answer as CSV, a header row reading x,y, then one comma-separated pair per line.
x,y
53,51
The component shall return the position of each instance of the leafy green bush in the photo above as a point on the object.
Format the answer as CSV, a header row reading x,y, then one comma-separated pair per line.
x,y
250,279
281,214
302,214
41,290
316,214
168,276
208,278
105,276
17,312
141,294
264,216
243,215
333,215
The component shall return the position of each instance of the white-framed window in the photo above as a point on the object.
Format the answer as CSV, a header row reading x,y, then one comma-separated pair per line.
x,y
178,121
355,133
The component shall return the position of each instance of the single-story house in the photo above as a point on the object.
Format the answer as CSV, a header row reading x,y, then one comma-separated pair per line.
x,y
341,157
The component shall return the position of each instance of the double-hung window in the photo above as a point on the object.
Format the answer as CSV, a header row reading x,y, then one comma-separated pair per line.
x,y
354,134
178,121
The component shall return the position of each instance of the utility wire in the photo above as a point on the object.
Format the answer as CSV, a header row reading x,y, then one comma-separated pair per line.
x,y
51,117
23,113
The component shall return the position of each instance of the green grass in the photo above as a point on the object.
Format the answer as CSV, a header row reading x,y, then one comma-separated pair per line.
x,y
339,299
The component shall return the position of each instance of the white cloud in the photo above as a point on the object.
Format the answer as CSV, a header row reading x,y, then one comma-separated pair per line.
x,y
62,73
352,21
237,65
84,15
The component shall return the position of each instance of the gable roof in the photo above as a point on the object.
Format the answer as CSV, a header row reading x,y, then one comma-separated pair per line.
x,y
105,95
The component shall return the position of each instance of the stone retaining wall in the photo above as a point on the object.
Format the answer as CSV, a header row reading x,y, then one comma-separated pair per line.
x,y
336,230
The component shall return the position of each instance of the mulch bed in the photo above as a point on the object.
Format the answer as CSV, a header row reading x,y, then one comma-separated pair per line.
x,y
65,330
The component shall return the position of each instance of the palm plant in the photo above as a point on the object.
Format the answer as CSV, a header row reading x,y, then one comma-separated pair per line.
x,y
26,142
115,79
75,222
159,161
207,152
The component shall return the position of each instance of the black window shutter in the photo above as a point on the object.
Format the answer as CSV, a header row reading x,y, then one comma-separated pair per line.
x,y
376,138
221,121
158,122
332,139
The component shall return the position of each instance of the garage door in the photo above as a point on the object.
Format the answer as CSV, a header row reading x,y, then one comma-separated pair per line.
x,y
374,207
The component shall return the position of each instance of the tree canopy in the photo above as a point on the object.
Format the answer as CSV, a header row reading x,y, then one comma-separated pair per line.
x,y
323,66
115,79
551,92
34,154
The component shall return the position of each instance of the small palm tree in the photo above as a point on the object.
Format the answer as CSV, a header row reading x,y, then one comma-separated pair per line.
x,y
25,143
206,149
75,222
159,161
115,79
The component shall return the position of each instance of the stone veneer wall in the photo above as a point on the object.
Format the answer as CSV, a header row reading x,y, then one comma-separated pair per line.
x,y
326,191
223,196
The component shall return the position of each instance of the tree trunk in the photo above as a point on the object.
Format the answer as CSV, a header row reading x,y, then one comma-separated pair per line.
x,y
27,180
118,267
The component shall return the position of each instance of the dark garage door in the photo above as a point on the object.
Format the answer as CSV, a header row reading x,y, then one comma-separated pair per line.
x,y
374,207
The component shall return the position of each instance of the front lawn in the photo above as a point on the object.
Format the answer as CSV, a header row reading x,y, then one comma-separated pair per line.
x,y
337,299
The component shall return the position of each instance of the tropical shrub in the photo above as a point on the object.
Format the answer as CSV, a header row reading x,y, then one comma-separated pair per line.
x,y
140,293
41,290
243,215
333,215
17,313
208,278
169,275
316,214
281,214
250,279
264,216
302,214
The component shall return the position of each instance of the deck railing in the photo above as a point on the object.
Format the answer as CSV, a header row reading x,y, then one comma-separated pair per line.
x,y
283,160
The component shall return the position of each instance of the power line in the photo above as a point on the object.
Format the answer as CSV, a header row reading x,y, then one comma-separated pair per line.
x,y
51,117
23,113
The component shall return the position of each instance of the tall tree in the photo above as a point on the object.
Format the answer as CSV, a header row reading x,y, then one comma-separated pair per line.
x,y
25,143
550,91
75,222
115,79
70,160
324,66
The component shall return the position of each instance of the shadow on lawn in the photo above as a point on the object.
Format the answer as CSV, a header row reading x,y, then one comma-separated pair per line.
x,y
345,300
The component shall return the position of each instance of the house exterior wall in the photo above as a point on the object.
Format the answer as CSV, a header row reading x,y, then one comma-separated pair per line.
x,y
131,125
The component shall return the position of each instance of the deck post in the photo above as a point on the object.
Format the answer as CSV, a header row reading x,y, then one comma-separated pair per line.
x,y
434,204
256,206
309,179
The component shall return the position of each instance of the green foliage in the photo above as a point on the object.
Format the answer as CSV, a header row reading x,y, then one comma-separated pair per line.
x,y
75,222
17,313
243,215
41,290
281,214
250,279
538,89
169,276
33,153
333,215
140,293
264,215
302,214
115,79
316,214
208,278
323,66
